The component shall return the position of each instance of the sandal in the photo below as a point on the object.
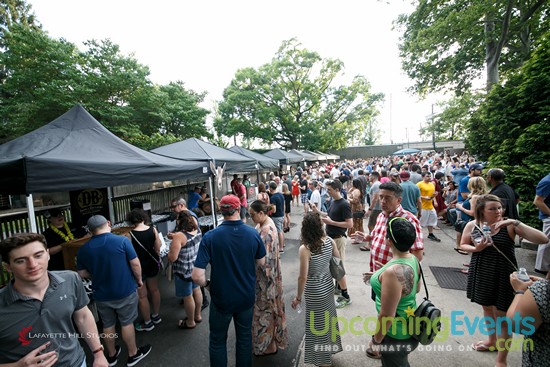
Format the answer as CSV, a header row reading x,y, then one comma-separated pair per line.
x,y
364,248
462,252
371,354
182,324
480,346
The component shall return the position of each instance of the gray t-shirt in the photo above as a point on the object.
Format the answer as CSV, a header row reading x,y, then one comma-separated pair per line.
x,y
375,189
26,323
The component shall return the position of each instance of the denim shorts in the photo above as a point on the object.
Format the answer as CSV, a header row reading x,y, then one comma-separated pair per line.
x,y
278,221
184,288
125,310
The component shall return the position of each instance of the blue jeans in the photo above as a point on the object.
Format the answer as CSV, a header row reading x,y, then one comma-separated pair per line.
x,y
219,324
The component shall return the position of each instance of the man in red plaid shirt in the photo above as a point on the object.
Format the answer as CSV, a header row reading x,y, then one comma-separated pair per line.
x,y
390,196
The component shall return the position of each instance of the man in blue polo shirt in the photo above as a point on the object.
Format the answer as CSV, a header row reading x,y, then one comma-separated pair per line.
x,y
233,250
38,307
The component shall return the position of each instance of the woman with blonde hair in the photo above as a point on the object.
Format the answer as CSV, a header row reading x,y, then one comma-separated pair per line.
x,y
465,212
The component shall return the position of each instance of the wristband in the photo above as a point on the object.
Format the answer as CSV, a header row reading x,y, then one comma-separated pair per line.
x,y
519,292
100,349
374,341
517,223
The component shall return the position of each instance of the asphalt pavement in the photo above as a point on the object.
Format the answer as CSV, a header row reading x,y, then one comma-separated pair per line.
x,y
189,348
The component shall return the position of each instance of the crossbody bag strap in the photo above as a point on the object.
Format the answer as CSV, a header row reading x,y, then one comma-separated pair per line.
x,y
496,247
143,247
423,280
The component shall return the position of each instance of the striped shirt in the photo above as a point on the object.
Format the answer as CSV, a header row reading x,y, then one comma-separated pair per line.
x,y
379,250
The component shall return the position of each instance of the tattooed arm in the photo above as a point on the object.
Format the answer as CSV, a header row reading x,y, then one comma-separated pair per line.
x,y
393,281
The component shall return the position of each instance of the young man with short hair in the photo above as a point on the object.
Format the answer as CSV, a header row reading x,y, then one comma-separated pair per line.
x,y
38,301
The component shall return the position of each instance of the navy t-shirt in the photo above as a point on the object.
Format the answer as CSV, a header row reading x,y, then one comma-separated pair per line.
x,y
107,258
232,250
278,200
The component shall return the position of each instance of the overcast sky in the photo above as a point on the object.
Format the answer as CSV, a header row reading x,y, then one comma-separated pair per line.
x,y
203,43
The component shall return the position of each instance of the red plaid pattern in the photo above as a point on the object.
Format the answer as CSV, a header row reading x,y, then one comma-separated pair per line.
x,y
379,250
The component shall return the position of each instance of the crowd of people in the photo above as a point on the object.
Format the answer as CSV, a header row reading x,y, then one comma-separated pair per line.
x,y
402,201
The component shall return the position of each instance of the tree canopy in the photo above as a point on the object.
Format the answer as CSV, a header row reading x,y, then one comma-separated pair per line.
x,y
447,45
511,128
293,101
45,77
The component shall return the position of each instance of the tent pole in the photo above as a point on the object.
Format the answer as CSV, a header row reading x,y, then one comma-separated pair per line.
x,y
111,206
32,217
213,202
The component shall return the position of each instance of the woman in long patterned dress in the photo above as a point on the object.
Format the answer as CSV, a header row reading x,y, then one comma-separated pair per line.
x,y
493,260
315,282
356,200
269,332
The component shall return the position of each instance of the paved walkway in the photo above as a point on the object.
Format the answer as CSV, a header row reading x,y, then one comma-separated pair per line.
x,y
455,350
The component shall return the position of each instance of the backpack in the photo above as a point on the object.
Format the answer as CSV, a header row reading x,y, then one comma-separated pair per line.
x,y
429,326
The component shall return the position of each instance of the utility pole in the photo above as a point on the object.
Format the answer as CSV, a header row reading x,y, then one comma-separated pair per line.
x,y
431,125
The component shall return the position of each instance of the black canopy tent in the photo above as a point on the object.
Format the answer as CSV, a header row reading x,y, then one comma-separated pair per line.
x,y
76,152
198,150
263,161
308,157
283,156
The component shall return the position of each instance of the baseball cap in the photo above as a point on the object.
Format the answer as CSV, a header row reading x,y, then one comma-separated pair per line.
x,y
476,166
95,222
404,175
230,202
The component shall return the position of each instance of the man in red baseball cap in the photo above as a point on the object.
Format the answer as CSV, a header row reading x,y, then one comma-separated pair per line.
x,y
233,250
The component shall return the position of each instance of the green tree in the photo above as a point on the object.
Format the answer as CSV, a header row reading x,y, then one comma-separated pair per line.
x,y
41,77
171,109
15,12
293,102
511,128
452,122
448,44
45,77
110,80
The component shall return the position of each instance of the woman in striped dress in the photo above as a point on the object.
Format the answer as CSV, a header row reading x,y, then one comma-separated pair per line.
x,y
493,260
315,282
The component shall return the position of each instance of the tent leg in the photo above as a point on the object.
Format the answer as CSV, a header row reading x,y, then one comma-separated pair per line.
x,y
213,202
110,203
32,217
